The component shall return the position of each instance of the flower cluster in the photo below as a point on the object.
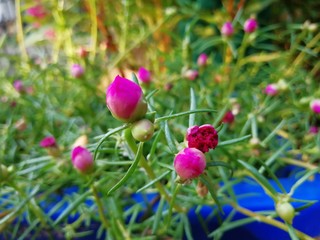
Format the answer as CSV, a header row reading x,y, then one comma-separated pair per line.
x,y
20,87
250,25
190,162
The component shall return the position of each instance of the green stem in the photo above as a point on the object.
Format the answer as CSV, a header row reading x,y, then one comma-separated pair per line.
x,y
268,220
100,207
144,163
174,196
20,37
32,204
94,28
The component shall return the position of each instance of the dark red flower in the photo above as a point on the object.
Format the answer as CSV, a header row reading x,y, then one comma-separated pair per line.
x,y
203,137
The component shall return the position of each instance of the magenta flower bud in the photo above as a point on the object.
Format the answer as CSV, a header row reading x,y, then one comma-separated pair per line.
x,y
48,142
189,163
142,130
37,11
191,74
313,130
18,86
144,75
315,106
271,89
77,70
202,60
82,159
227,29
124,99
228,117
202,138
250,25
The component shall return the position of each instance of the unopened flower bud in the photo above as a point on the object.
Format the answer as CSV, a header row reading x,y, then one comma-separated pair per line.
x,y
228,117
144,75
285,211
21,124
254,141
81,141
250,25
271,89
37,11
203,138
282,85
315,106
313,129
48,142
124,99
18,86
82,52
227,29
202,60
142,130
168,86
190,74
189,163
77,70
202,189
82,159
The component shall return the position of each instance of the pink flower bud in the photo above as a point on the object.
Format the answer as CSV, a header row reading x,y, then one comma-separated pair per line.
x,y
227,29
202,60
77,70
29,90
191,74
48,142
18,86
189,163
271,89
315,106
50,34
124,99
82,159
168,86
82,52
228,117
250,25
142,130
203,138
37,11
144,75
313,129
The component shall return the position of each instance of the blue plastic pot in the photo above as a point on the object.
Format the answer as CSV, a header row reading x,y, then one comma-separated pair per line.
x,y
306,221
